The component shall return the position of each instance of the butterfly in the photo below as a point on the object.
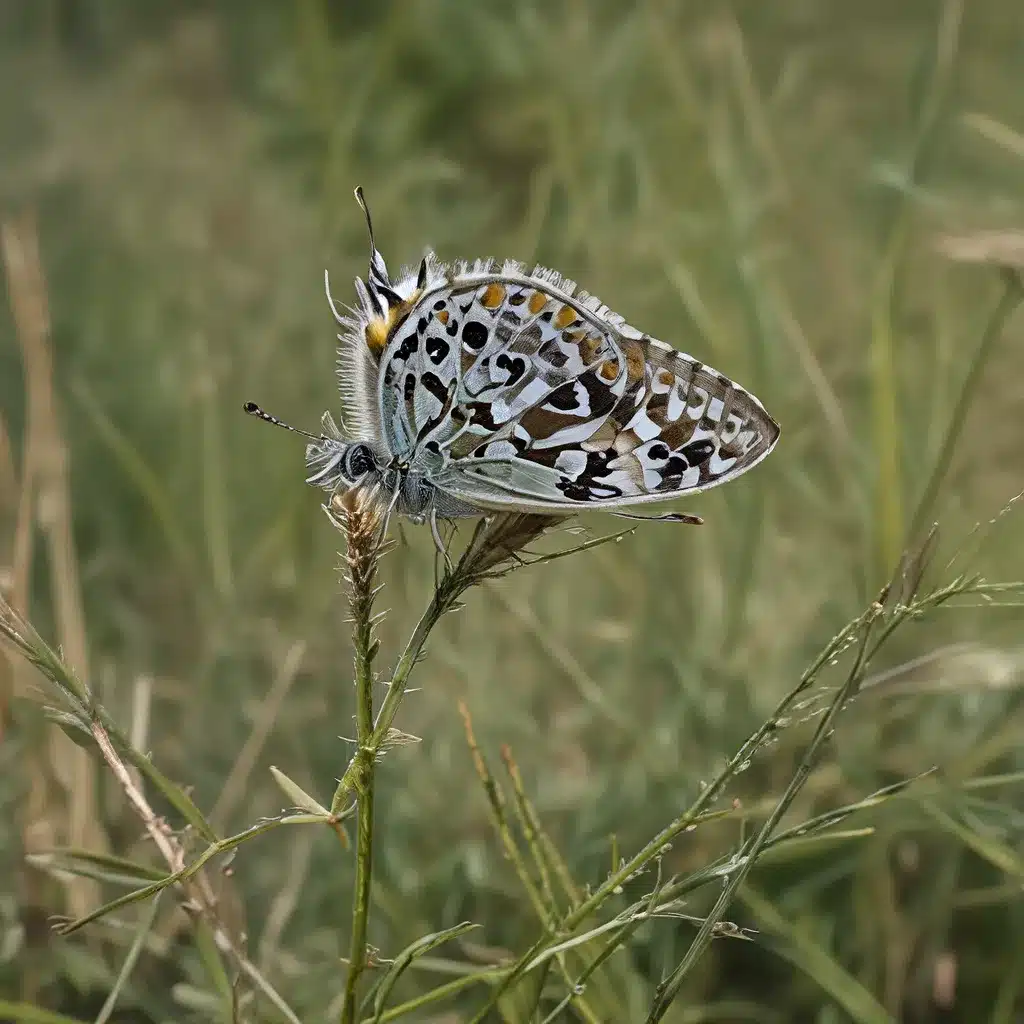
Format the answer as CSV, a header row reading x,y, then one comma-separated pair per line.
x,y
475,387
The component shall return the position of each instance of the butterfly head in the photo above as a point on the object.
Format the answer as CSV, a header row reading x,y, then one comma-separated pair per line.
x,y
334,464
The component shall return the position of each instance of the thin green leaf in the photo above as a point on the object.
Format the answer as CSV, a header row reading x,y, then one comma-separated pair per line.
x,y
439,994
298,796
102,866
172,792
810,846
72,727
996,853
412,952
223,846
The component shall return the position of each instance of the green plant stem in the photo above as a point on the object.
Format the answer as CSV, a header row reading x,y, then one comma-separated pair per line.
x,y
885,398
445,596
1013,292
493,551
363,551
361,913
370,746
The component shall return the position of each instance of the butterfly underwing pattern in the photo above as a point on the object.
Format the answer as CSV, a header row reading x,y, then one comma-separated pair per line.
x,y
472,387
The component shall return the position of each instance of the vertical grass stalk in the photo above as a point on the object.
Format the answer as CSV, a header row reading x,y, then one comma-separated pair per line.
x,y
1013,292
884,361
358,516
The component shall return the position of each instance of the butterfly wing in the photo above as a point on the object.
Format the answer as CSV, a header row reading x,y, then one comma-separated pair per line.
x,y
513,390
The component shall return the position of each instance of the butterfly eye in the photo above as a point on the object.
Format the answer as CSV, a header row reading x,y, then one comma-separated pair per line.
x,y
359,460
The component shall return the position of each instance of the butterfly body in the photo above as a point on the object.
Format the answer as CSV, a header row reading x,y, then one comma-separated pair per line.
x,y
485,386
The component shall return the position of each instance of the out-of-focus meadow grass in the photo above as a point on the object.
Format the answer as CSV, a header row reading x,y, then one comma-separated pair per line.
x,y
767,186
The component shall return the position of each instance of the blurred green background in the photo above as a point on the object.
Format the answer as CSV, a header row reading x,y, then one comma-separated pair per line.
x,y
764,185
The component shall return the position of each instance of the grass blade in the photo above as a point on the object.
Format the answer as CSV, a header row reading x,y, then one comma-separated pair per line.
x,y
145,925
806,953
1013,292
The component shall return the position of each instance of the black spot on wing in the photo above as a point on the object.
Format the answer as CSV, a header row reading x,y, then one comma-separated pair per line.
x,y
564,398
480,415
675,467
572,490
514,366
437,350
588,394
434,386
698,452
474,335
407,348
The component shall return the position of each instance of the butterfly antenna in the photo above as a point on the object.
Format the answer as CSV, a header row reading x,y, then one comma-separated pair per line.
x,y
378,276
361,200
254,410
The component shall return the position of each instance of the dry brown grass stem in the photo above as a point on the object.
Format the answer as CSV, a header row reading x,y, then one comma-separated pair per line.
x,y
45,498
214,908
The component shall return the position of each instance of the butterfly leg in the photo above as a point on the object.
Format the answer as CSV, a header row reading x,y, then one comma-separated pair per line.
x,y
383,534
439,543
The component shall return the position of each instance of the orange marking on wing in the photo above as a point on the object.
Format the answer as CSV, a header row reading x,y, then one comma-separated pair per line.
x,y
609,369
635,361
443,316
379,330
538,300
565,316
666,377
493,296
